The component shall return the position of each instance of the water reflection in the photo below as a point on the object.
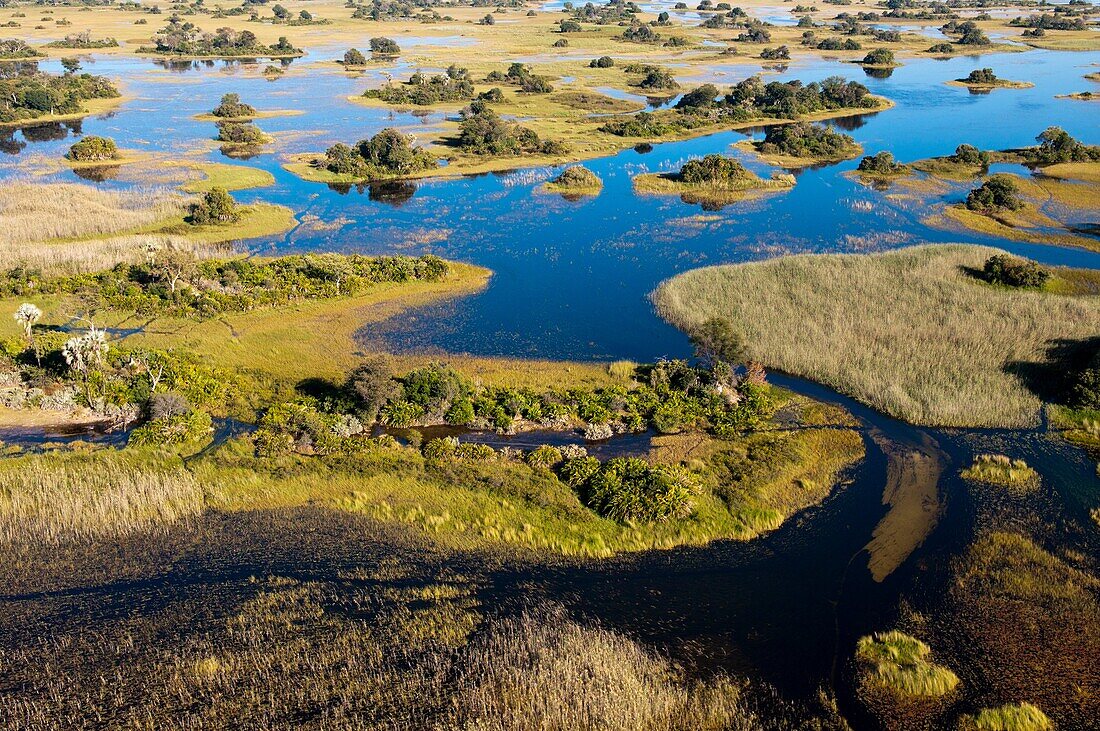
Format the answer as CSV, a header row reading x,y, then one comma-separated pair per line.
x,y
98,173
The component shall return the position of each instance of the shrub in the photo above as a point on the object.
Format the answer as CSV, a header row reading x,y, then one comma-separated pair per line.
x,y
1012,272
215,207
389,153
603,62
167,405
240,133
577,471
713,168
384,47
881,163
806,140
354,57
998,193
597,432
175,429
439,450
544,457
494,95
941,48
435,387
577,176
970,155
372,385
879,57
232,106
981,76
779,53
628,490
699,98
94,149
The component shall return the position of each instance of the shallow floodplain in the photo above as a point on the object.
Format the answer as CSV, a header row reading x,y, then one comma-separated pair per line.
x,y
220,609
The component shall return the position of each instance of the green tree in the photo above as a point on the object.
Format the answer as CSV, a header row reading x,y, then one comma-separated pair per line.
x,y
717,342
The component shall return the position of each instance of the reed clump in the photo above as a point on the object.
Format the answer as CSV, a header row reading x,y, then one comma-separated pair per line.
x,y
997,469
1010,717
903,664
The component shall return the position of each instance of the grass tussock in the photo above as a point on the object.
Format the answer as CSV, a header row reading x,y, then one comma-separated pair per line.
x,y
997,469
907,332
1011,717
62,497
903,664
36,212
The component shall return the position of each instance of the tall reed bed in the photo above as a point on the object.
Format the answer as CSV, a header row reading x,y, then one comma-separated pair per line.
x,y
908,332
84,257
58,498
35,212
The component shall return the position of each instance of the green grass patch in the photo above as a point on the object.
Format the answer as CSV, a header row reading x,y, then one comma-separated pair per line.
x,y
903,665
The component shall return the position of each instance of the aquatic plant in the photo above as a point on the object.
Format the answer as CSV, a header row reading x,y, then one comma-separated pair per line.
x,y
997,469
1009,717
902,664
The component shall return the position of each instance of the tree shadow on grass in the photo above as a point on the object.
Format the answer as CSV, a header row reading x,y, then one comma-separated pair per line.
x,y
1053,379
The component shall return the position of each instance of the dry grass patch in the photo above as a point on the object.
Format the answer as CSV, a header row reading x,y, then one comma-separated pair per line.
x,y
908,332
95,256
1011,717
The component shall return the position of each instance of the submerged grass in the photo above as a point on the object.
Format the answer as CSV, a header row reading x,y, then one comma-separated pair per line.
x,y
908,332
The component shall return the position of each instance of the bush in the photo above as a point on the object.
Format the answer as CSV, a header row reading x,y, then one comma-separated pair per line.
x,y
630,490
94,149
232,106
186,428
779,53
603,62
387,154
372,385
577,176
941,48
981,76
998,193
240,133
806,140
970,155
384,47
544,457
1013,272
440,450
881,163
435,388
879,57
354,57
713,168
215,207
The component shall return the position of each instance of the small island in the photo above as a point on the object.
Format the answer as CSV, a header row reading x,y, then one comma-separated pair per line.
x,y
711,180
575,182
982,80
801,145
181,39
879,58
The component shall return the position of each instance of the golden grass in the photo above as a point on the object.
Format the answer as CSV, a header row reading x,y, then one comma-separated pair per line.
x,y
97,255
1027,224
998,84
225,175
65,497
997,469
543,672
907,332
40,212
903,665
1010,717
